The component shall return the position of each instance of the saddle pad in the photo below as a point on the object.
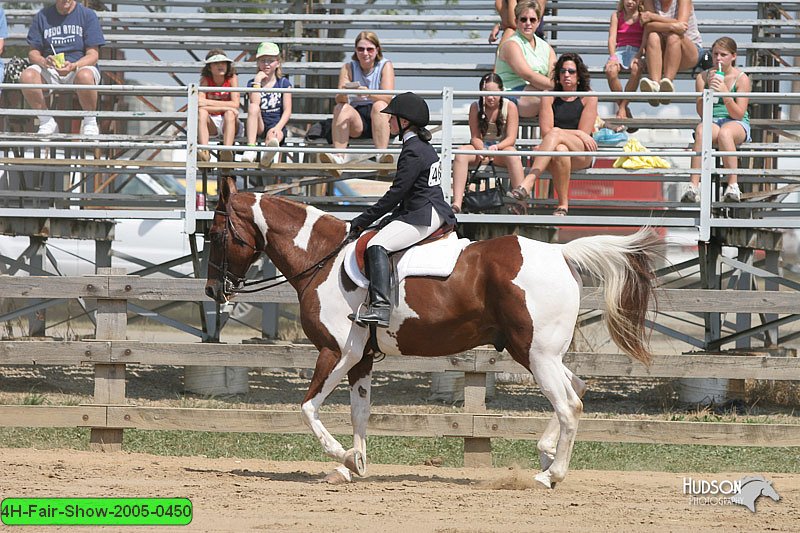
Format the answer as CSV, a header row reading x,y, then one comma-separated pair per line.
x,y
437,258
362,242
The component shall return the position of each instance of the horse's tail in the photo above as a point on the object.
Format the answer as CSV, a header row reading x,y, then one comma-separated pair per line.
x,y
623,265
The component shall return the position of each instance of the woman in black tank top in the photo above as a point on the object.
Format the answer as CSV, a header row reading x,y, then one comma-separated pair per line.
x,y
566,124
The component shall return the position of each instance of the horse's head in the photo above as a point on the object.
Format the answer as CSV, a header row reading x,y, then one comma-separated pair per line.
x,y
233,244
768,490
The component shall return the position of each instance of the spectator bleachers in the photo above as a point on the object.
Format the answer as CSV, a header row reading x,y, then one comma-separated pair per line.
x,y
145,41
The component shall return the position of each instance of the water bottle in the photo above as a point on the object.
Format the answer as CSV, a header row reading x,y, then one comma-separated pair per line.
x,y
721,74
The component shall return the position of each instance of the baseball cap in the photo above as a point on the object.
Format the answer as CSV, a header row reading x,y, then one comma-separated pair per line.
x,y
267,49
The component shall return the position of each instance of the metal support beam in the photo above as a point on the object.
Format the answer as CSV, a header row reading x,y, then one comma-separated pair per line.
x,y
709,275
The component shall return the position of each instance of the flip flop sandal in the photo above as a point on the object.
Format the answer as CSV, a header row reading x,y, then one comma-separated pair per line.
x,y
518,208
518,193
560,212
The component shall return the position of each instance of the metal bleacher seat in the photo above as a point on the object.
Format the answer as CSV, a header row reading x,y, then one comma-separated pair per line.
x,y
315,42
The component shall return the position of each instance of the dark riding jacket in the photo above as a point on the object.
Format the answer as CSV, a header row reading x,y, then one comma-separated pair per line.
x,y
416,187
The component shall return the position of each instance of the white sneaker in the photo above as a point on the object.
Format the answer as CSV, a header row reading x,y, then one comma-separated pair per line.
x,y
732,193
336,159
90,129
646,85
386,159
666,86
249,156
48,128
267,158
690,195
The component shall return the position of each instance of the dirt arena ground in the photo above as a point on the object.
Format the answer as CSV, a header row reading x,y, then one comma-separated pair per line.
x,y
252,495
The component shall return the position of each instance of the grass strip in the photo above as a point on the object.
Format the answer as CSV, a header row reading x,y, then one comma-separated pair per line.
x,y
420,450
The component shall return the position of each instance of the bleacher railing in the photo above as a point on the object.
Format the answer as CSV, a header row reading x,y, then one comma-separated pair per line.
x,y
707,217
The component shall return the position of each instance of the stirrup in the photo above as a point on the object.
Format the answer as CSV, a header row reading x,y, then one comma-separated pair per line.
x,y
356,317
364,321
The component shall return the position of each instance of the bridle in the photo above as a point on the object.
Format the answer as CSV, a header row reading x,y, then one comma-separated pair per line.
x,y
232,283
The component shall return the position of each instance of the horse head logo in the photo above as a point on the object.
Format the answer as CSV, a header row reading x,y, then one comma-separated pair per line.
x,y
752,488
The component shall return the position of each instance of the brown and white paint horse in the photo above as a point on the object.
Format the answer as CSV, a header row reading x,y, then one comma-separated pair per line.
x,y
509,291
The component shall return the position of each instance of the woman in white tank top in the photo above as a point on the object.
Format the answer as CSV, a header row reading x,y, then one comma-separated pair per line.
x,y
358,115
672,43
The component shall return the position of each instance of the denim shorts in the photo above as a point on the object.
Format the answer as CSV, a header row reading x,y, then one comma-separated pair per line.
x,y
745,125
626,54
515,99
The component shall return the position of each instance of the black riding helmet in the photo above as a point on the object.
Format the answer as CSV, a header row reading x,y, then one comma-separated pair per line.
x,y
410,107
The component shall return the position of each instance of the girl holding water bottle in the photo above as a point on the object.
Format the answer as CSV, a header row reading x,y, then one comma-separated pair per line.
x,y
730,119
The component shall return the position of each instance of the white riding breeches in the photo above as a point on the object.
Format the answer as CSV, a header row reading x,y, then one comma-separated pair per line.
x,y
397,235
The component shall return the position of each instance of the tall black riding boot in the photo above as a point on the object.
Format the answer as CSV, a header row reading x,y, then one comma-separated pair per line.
x,y
379,290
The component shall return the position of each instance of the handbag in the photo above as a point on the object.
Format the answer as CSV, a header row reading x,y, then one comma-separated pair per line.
x,y
14,68
484,199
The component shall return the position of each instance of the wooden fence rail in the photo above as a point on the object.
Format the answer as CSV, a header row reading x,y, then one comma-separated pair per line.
x,y
109,415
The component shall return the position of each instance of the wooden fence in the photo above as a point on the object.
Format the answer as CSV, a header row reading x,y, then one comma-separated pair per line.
x,y
108,416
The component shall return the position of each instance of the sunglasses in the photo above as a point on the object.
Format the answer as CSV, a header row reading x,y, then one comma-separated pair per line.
x,y
365,49
533,20
568,71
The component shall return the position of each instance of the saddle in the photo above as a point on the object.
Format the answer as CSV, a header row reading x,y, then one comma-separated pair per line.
x,y
362,242
434,256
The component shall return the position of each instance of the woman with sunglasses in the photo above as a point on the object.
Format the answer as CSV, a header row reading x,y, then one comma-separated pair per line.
x,y
525,61
358,116
508,24
566,123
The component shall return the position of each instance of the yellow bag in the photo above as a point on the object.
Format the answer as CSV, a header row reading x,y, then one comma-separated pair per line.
x,y
639,161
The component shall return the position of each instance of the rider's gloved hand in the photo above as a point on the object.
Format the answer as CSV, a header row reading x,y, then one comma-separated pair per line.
x,y
354,233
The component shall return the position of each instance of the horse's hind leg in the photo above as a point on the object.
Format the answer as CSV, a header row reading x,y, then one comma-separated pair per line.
x,y
558,387
328,373
549,440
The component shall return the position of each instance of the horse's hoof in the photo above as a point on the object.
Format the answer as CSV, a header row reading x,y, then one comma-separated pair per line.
x,y
355,462
546,459
544,479
337,478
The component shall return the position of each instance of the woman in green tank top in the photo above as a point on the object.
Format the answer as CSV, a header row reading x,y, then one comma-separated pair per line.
x,y
525,61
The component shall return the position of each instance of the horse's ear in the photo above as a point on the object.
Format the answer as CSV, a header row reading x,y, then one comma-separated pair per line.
x,y
227,188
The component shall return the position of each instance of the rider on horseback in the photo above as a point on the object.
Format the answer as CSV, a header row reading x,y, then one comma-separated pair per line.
x,y
416,197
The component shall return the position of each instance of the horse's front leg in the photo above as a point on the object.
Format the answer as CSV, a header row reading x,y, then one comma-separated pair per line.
x,y
360,380
331,367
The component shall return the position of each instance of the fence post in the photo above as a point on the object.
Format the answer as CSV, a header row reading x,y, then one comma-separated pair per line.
x,y
477,450
109,378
